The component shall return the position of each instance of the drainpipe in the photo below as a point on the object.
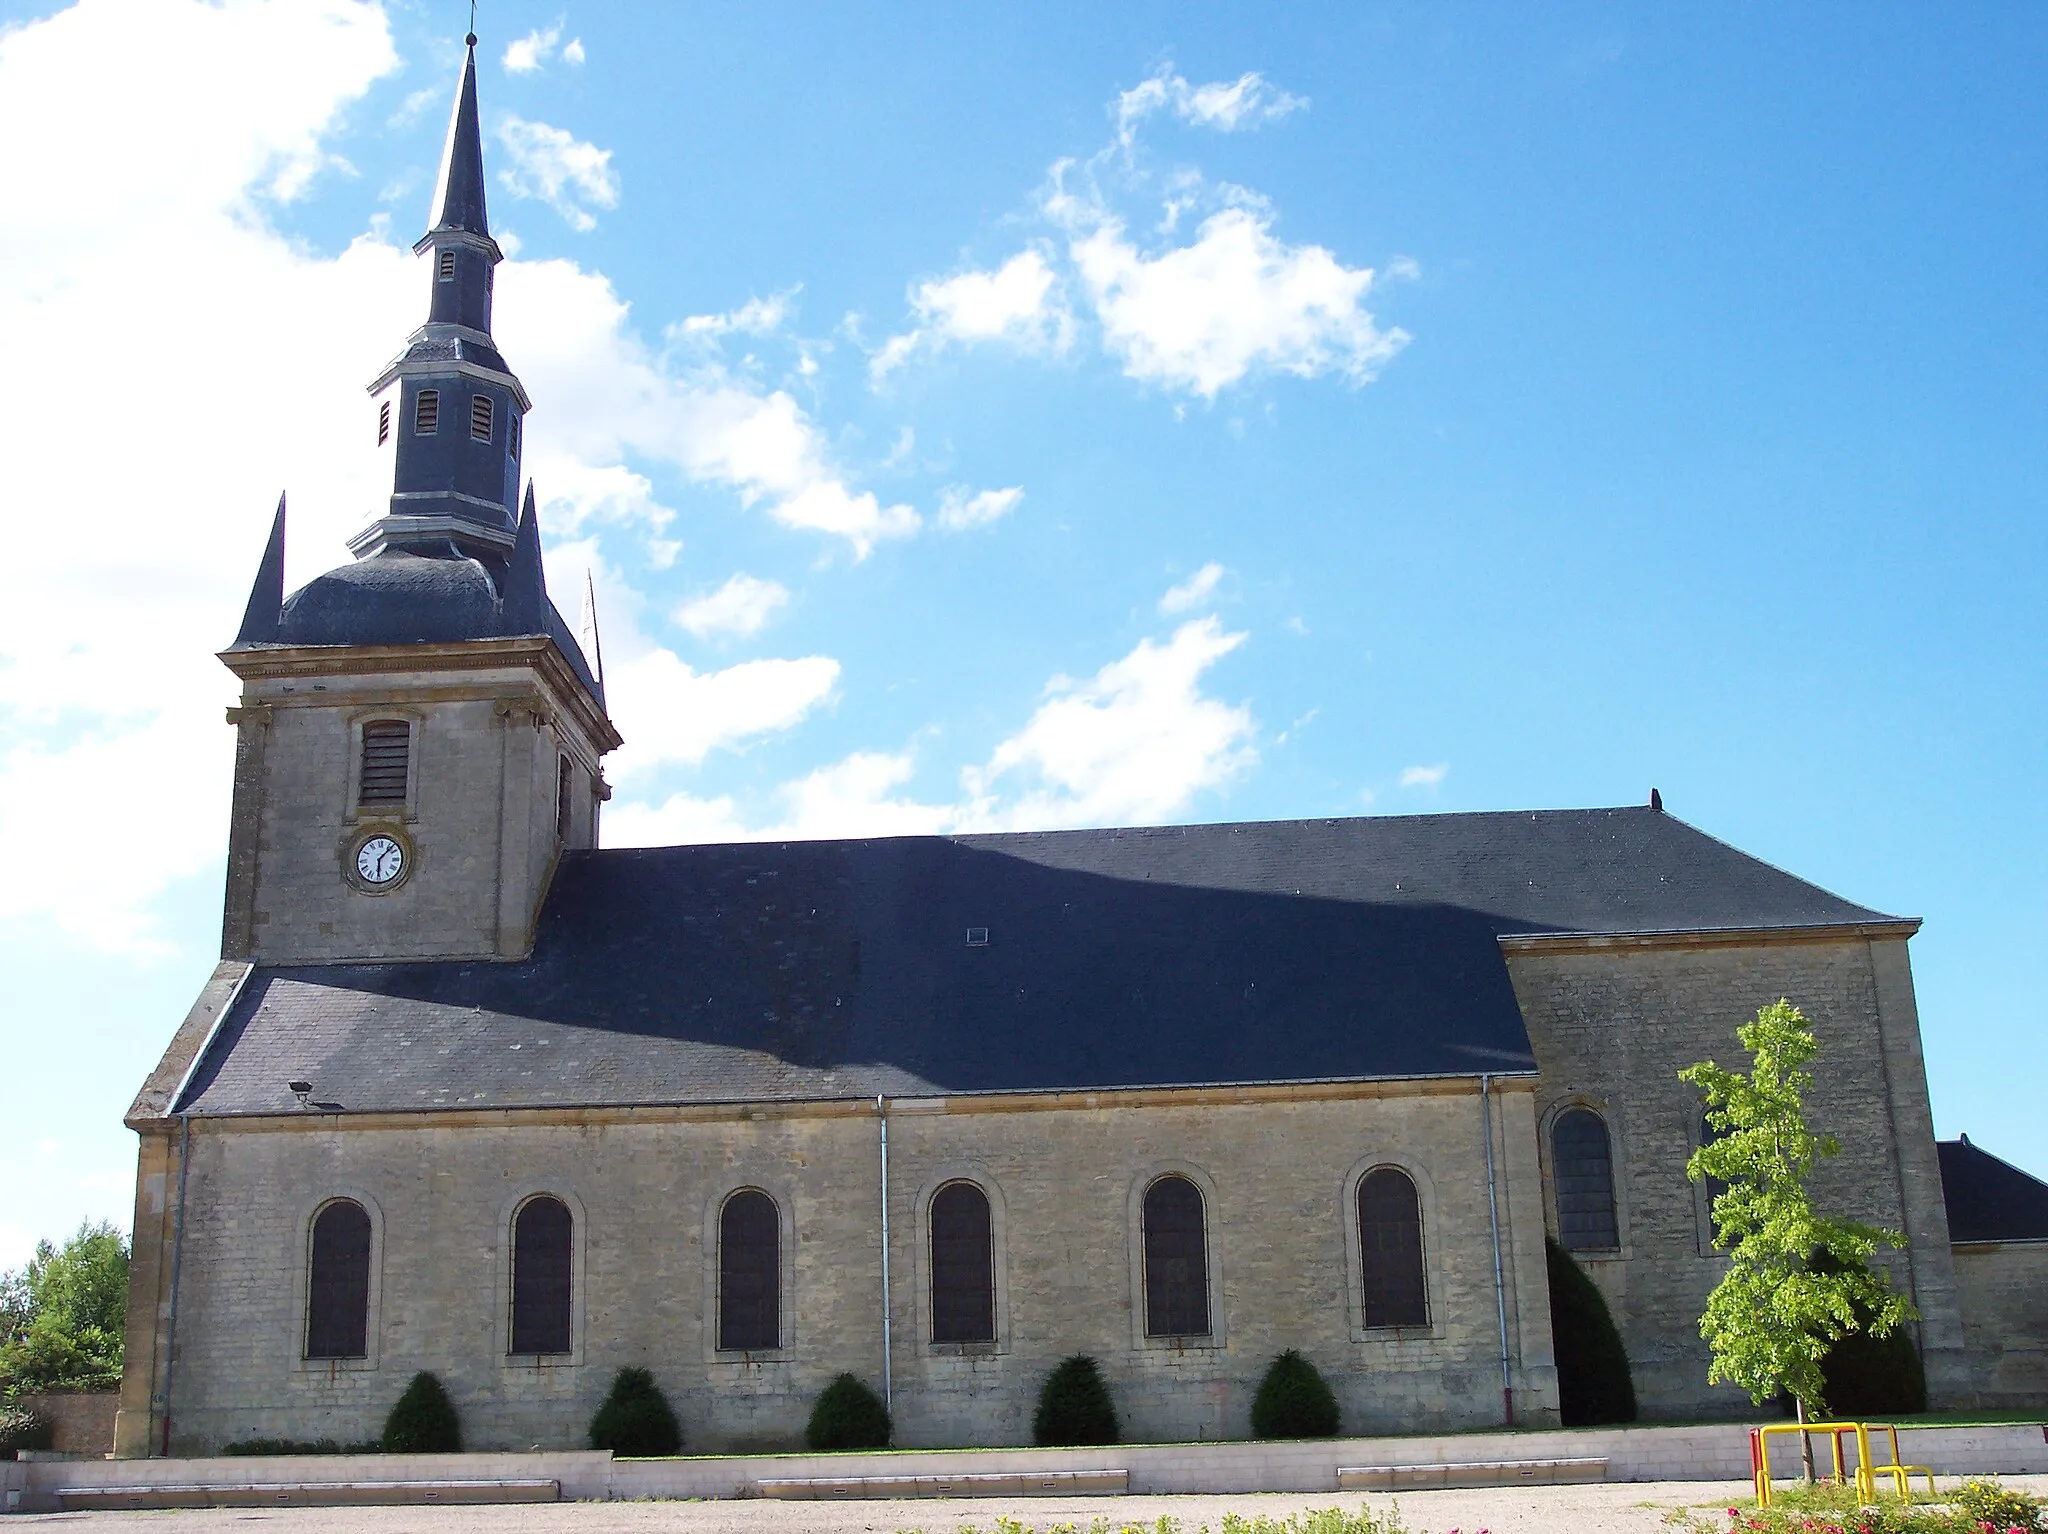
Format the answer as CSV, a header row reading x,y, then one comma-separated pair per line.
x,y
888,1352
1500,1293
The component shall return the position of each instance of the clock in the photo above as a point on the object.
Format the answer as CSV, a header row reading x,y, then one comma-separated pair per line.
x,y
380,860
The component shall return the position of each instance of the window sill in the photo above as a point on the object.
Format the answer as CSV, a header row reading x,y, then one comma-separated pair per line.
x,y
1207,1343
751,1356
964,1349
543,1360
1395,1335
332,1366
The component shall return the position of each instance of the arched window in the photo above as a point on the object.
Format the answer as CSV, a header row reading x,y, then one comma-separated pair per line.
x,y
1713,1186
1176,1260
387,752
749,1274
543,1234
338,1283
1390,1249
963,1265
1582,1162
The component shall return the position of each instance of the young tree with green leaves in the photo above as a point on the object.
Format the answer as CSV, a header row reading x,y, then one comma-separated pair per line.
x,y
62,1316
1773,1317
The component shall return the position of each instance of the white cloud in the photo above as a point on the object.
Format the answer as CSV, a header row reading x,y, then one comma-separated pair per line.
x,y
1133,744
1194,591
755,317
673,715
742,606
1018,303
1235,301
1424,777
1223,105
959,510
524,55
560,169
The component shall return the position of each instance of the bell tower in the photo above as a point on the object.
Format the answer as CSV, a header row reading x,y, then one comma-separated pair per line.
x,y
420,738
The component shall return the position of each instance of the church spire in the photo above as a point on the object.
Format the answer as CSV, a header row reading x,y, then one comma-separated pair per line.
x,y
459,194
448,408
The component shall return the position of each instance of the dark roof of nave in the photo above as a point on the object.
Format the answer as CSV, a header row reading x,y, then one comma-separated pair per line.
x,y
1989,1199
1186,955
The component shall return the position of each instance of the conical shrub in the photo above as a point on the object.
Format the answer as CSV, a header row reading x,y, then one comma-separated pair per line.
x,y
1866,1376
848,1416
636,1421
1074,1406
1593,1384
423,1421
1294,1401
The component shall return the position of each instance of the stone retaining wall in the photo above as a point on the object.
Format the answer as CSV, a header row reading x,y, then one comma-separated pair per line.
x,y
1718,1452
83,1419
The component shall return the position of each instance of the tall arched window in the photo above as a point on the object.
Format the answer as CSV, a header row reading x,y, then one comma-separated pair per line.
x,y
338,1283
963,1265
1176,1260
1390,1249
543,1237
749,1273
1582,1162
1713,1187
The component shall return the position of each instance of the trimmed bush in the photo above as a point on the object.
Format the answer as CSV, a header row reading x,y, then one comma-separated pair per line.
x,y
1593,1384
848,1416
1074,1407
22,1428
1868,1376
423,1421
1294,1401
253,1446
636,1420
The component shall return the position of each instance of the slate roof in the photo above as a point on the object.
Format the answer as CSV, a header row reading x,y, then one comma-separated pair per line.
x,y
399,596
1989,1199
1218,954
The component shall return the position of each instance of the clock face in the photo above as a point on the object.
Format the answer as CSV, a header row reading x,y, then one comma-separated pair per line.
x,y
379,861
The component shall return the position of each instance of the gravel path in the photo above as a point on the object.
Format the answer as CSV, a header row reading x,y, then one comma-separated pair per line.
x,y
1622,1508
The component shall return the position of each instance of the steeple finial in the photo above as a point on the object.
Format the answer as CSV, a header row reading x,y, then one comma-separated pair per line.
x,y
459,193
266,595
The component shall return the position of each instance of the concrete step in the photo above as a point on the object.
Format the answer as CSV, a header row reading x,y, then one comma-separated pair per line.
x,y
1491,1472
1043,1483
308,1494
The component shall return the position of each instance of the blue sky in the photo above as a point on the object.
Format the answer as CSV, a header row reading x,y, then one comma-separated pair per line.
x,y
1584,398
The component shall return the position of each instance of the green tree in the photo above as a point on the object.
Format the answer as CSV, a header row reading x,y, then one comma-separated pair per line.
x,y
62,1316
1782,1304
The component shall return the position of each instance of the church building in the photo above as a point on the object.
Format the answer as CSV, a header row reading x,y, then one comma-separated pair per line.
x,y
470,1093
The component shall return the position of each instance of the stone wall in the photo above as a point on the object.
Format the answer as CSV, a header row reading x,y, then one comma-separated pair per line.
x,y
2004,1291
82,1420
1064,1175
1614,1021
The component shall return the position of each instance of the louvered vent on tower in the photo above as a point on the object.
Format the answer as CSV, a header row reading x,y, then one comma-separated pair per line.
x,y
387,752
480,417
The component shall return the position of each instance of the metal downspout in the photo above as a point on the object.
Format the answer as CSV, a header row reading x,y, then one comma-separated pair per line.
x,y
1500,1293
888,1351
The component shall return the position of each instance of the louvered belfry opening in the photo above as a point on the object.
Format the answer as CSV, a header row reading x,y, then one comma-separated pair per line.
x,y
447,266
480,413
387,760
543,1236
564,785
426,413
383,422
338,1283
749,1274
1176,1260
1582,1167
1390,1249
963,1265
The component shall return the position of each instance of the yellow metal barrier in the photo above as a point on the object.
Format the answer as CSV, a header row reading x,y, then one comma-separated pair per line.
x,y
1865,1474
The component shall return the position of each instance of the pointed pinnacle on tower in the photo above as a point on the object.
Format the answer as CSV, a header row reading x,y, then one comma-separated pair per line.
x,y
266,594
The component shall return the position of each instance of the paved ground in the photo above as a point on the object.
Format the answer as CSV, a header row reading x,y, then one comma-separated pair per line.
x,y
1637,1508
1626,1508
